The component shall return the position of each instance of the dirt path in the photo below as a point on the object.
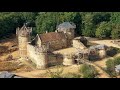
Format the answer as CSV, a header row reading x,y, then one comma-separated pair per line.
x,y
43,74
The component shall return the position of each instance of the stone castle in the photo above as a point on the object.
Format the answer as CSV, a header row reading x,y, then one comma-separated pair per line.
x,y
41,48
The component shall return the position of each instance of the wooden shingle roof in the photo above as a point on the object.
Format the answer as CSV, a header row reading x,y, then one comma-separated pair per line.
x,y
52,36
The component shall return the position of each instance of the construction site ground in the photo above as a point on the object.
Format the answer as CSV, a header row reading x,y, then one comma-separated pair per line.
x,y
30,72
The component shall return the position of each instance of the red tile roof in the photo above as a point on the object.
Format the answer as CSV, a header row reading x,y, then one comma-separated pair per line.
x,y
52,36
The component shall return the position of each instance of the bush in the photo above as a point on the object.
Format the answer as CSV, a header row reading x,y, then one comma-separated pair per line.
x,y
110,67
71,75
55,74
88,71
117,60
111,63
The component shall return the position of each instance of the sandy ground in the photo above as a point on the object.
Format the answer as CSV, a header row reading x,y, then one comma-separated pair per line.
x,y
67,69
106,42
44,74
14,54
66,51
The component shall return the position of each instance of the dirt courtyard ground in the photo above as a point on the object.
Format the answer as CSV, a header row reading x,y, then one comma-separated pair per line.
x,y
30,73
106,42
66,51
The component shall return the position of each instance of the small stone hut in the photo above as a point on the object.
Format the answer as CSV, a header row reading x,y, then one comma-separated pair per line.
x,y
101,49
68,59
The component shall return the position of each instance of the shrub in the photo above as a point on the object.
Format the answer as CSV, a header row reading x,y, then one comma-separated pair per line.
x,y
55,74
117,60
88,71
111,63
110,67
71,75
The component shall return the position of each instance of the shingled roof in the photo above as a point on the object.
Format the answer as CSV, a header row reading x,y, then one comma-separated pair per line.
x,y
67,25
52,36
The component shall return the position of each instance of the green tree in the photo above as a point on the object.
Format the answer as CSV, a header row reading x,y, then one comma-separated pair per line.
x,y
103,30
100,17
115,17
9,21
50,20
115,31
88,26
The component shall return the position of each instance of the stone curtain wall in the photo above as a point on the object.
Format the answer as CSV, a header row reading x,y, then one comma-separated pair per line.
x,y
55,60
42,59
39,59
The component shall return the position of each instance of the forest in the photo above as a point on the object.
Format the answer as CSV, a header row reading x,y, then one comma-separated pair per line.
x,y
92,24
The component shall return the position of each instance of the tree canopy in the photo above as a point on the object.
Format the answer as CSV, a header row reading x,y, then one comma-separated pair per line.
x,y
91,24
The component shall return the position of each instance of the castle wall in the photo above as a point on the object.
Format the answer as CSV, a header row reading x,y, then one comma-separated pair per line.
x,y
55,60
39,59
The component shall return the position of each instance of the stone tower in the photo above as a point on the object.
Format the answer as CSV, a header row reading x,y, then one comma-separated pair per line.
x,y
68,59
42,54
69,30
23,35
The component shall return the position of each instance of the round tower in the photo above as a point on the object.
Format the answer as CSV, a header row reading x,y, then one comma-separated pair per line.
x,y
23,38
68,59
